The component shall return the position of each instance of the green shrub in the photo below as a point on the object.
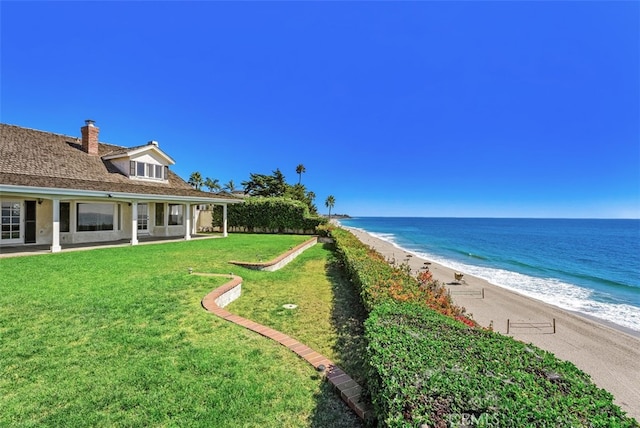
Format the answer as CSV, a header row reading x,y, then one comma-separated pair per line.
x,y
324,229
430,366
269,215
429,370
379,282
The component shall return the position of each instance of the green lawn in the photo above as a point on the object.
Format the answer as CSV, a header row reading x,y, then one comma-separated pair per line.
x,y
117,337
329,315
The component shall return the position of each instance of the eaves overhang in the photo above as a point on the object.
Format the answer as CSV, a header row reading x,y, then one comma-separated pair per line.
x,y
52,192
139,150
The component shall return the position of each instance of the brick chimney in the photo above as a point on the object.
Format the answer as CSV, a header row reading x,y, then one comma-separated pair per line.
x,y
90,137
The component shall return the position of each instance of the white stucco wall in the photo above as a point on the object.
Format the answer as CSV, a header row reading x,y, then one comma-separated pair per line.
x,y
44,218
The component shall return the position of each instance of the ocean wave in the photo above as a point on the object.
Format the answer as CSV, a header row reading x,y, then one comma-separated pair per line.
x,y
389,237
553,291
550,290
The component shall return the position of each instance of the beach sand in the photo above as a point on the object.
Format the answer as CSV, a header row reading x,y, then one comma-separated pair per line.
x,y
611,356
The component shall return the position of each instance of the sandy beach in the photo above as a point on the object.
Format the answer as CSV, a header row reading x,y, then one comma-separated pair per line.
x,y
611,356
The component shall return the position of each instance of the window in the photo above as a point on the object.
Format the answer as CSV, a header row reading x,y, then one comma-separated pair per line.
x,y
175,215
10,220
159,214
95,217
65,217
148,170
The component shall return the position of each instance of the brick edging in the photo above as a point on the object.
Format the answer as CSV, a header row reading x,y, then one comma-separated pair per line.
x,y
349,390
279,261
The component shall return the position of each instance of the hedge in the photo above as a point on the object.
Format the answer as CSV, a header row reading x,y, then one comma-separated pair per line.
x,y
269,215
429,369
379,282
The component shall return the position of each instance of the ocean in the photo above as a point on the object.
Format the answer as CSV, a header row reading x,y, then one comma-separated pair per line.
x,y
584,265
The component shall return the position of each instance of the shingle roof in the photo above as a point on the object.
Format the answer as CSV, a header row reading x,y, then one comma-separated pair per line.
x,y
122,150
29,157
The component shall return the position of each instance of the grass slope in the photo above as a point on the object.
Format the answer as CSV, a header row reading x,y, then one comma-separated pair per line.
x,y
328,317
117,337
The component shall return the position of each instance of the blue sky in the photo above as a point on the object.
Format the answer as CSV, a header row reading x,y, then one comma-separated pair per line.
x,y
468,109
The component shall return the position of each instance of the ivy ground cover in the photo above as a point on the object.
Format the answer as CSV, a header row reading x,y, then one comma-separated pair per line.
x,y
431,370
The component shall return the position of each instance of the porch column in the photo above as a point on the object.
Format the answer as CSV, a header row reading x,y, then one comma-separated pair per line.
x,y
194,219
134,223
166,219
187,219
55,243
224,221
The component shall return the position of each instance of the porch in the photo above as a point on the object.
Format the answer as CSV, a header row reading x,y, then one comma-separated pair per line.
x,y
30,250
29,223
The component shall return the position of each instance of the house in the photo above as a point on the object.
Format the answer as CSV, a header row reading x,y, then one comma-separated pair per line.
x,y
57,190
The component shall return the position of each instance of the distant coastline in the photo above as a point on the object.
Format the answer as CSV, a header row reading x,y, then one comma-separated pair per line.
x,y
336,216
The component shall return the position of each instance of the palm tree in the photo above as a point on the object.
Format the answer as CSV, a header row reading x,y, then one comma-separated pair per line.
x,y
213,185
230,186
311,195
329,203
196,180
300,169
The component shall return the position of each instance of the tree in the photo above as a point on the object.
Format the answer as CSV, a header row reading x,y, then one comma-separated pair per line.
x,y
196,180
299,193
278,183
230,186
300,169
311,196
213,185
266,185
329,203
274,185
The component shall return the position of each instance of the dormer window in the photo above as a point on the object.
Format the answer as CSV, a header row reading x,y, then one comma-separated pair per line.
x,y
148,170
147,162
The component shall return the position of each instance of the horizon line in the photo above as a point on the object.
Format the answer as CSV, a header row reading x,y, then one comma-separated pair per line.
x,y
487,217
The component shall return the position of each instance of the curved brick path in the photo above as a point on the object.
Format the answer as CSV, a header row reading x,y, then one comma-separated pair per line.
x,y
349,390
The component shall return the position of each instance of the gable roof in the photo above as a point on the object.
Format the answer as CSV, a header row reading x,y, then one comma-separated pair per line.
x,y
132,151
33,158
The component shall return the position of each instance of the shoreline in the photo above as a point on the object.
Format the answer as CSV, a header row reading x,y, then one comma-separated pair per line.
x,y
608,352
610,324
403,251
